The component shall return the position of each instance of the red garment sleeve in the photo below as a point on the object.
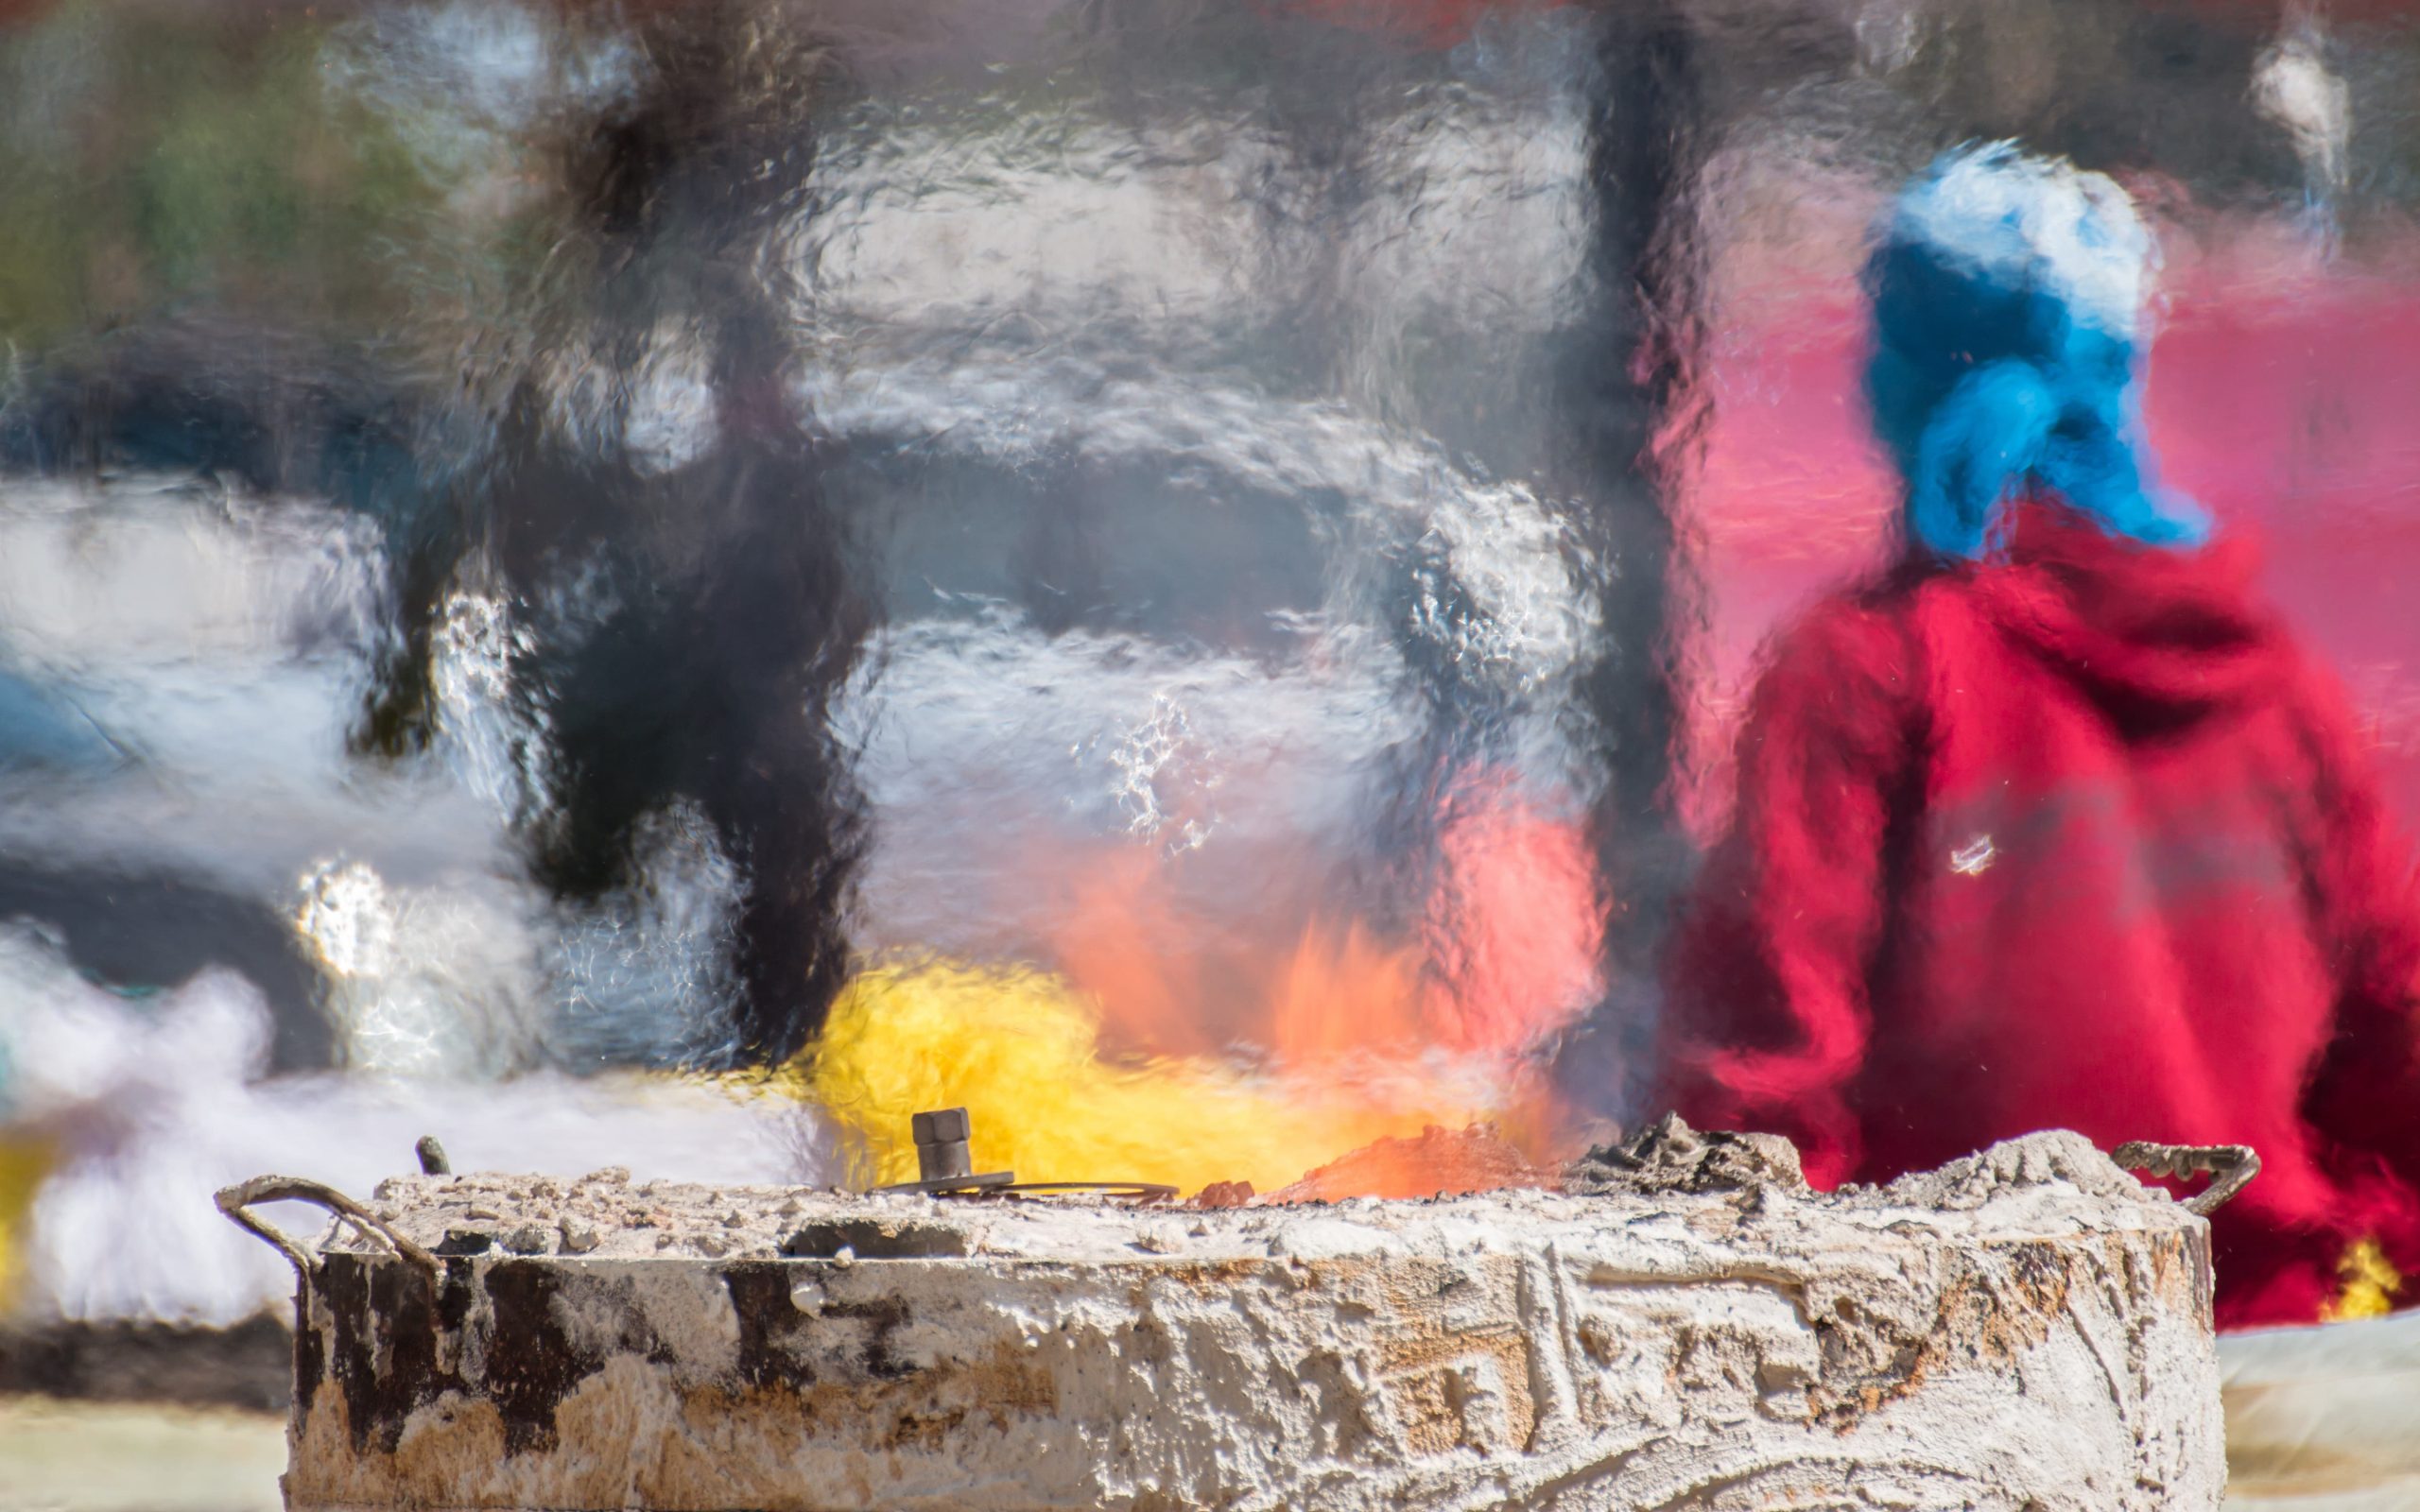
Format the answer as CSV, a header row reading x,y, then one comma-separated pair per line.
x,y
2365,1096
1768,1015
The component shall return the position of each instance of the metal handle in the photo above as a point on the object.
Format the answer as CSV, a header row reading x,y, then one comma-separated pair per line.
x,y
2230,1167
237,1202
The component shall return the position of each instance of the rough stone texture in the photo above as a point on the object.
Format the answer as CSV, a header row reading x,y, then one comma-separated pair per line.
x,y
1672,1157
2029,1329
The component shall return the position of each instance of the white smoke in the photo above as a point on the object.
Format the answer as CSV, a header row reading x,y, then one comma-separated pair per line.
x,y
154,1104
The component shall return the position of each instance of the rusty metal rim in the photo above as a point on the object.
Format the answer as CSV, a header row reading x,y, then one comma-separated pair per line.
x,y
1141,1193
1005,1184
236,1201
952,1185
2230,1168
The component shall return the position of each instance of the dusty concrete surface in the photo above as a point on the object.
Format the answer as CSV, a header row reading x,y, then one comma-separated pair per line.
x,y
2025,1330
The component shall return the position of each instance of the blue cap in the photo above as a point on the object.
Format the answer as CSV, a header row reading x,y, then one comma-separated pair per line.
x,y
2007,295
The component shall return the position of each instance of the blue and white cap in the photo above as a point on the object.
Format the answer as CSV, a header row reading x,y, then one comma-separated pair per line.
x,y
2010,298
2024,222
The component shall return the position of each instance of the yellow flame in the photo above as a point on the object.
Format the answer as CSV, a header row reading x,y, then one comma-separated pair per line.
x,y
2370,1283
1019,1049
25,1162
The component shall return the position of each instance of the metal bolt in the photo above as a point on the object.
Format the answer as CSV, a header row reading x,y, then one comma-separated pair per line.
x,y
945,1158
942,1152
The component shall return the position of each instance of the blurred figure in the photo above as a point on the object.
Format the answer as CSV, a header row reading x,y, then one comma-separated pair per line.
x,y
2052,824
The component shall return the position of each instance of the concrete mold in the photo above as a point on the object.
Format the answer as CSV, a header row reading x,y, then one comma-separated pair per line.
x,y
2025,1330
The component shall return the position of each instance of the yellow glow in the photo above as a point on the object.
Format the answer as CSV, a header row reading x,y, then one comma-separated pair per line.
x,y
2371,1283
1019,1049
23,1165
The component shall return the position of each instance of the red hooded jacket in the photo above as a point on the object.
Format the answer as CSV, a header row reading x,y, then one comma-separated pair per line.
x,y
2075,838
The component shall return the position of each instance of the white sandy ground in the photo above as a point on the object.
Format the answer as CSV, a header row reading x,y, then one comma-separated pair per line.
x,y
2324,1420
2318,1420
73,1456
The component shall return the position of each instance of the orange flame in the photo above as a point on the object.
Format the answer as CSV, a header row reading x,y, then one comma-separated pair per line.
x,y
1437,1163
1514,922
1359,1037
1341,993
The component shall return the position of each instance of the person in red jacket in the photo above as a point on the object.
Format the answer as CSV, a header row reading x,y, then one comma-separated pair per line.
x,y
2052,824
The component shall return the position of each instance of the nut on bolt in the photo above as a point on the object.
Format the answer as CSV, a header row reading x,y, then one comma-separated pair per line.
x,y
945,1161
942,1152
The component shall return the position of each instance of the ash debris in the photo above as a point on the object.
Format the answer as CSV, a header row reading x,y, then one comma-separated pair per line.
x,y
603,1215
1670,1156
2037,1160
606,1216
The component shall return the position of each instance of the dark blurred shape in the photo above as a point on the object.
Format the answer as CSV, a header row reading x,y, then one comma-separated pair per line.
x,y
2110,83
142,933
733,617
1634,408
250,1365
737,617
276,410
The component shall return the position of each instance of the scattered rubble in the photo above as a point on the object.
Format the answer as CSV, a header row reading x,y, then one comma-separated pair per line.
x,y
1671,1157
